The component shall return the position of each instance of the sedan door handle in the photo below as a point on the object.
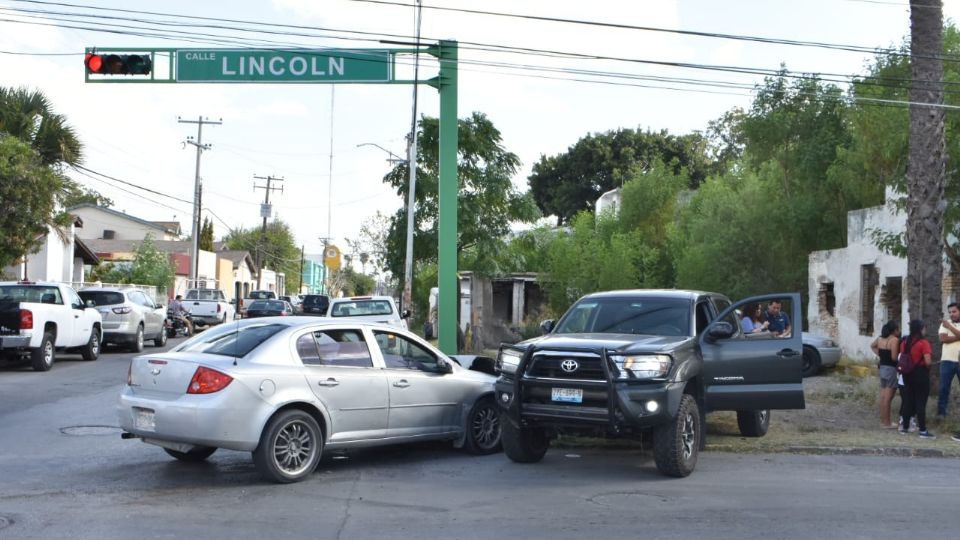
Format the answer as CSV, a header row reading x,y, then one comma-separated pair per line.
x,y
402,383
329,382
787,353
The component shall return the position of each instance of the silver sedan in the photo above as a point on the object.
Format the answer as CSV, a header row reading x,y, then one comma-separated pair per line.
x,y
287,388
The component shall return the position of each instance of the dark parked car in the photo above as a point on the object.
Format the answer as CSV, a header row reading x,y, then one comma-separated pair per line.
x,y
269,308
649,365
315,304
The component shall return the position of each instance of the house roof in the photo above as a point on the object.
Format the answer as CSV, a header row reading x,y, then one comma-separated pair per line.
x,y
164,226
84,252
237,256
128,246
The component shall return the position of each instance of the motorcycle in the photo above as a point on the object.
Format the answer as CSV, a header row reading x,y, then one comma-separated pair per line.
x,y
175,326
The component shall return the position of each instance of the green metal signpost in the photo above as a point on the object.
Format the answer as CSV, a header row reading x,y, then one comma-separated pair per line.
x,y
325,66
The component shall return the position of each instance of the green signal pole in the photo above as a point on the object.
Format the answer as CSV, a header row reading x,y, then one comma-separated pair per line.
x,y
448,193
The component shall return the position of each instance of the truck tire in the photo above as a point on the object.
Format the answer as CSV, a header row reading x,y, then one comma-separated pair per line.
x,y
201,453
290,447
137,344
42,357
523,445
483,428
676,445
753,423
811,362
91,351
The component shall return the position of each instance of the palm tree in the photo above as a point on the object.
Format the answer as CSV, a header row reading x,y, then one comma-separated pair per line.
x,y
27,115
926,168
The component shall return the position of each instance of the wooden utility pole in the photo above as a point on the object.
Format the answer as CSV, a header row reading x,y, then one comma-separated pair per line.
x,y
195,222
265,209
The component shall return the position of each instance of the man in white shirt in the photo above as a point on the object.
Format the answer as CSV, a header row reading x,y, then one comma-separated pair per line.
x,y
950,357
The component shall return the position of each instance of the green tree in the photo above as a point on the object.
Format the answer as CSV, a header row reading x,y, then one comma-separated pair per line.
x,y
206,235
28,191
74,194
276,250
568,183
488,202
151,266
349,282
27,115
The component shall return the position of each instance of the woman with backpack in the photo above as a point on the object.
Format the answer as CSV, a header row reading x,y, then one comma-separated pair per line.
x,y
887,347
914,364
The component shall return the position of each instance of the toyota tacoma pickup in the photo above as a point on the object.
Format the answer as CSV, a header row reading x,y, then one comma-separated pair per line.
x,y
37,319
647,364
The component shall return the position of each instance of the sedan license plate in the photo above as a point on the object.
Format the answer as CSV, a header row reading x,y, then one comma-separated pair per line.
x,y
567,395
144,419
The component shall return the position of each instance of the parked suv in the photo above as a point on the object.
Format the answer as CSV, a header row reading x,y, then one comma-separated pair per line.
x,y
316,303
129,316
649,365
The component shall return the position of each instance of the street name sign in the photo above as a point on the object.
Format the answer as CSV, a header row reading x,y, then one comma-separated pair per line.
x,y
284,65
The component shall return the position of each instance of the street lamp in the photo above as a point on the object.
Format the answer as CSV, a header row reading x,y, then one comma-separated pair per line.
x,y
393,159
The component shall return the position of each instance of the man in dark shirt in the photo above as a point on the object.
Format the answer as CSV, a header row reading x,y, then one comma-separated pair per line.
x,y
779,322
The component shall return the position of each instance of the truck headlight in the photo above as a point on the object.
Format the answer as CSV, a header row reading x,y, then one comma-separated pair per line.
x,y
645,366
508,361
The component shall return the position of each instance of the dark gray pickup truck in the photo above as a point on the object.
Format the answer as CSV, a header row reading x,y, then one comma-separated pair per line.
x,y
648,364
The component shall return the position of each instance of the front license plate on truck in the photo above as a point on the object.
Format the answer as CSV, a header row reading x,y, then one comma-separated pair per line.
x,y
143,419
567,395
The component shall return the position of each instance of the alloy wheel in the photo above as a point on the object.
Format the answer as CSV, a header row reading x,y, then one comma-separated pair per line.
x,y
486,427
294,447
688,435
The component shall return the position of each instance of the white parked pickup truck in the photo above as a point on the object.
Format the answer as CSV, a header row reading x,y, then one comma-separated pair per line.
x,y
379,309
254,296
208,307
37,319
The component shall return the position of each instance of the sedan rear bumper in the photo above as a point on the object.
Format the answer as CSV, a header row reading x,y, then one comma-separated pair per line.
x,y
829,356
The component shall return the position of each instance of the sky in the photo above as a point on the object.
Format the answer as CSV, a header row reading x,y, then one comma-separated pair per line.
x,y
302,132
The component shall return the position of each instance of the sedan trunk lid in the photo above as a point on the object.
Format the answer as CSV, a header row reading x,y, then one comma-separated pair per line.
x,y
170,374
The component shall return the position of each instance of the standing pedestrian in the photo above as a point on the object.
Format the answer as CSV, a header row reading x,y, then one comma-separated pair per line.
x,y
950,357
916,382
886,347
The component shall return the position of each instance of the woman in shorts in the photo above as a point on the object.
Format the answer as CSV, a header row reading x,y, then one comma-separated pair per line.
x,y
886,347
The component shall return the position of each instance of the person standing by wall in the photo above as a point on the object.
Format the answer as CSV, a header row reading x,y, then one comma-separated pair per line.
x,y
916,383
886,347
950,357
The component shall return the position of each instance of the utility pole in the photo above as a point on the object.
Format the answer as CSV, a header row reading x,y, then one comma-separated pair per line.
x,y
407,298
264,213
195,244
300,289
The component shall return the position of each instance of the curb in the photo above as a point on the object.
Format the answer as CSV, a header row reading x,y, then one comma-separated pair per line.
x,y
897,451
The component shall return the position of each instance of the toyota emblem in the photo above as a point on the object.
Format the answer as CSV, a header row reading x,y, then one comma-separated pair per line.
x,y
569,365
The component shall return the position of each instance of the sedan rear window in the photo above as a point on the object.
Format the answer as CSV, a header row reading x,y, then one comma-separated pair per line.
x,y
262,305
237,343
102,298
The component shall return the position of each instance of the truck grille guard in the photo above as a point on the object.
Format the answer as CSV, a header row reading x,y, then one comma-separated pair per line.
x,y
609,377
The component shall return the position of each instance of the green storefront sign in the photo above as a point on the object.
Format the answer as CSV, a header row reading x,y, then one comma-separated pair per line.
x,y
283,65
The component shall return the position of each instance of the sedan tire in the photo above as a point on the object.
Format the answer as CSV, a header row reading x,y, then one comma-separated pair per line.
x,y
483,428
201,453
290,447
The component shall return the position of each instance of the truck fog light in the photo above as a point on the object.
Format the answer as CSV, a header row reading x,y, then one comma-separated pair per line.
x,y
652,407
504,397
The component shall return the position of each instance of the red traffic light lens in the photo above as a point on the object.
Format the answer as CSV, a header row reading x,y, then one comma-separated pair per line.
x,y
94,62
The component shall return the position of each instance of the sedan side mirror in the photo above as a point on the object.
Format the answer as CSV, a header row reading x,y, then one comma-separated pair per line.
x,y
405,314
546,326
720,330
443,366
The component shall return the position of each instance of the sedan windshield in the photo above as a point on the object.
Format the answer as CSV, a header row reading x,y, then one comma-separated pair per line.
x,y
236,343
626,315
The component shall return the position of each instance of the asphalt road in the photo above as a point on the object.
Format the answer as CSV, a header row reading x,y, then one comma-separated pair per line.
x,y
65,473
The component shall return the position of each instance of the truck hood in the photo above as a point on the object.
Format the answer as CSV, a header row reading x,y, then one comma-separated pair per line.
x,y
626,343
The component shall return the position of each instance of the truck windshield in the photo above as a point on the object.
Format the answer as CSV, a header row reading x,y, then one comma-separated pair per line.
x,y
628,315
356,308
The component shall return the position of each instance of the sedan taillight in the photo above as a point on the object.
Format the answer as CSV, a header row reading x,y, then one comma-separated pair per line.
x,y
208,381
123,310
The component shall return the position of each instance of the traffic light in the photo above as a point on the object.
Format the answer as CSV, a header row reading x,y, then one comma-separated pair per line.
x,y
118,64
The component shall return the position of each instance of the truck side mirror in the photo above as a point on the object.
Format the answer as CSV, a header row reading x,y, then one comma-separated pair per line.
x,y
720,330
405,314
546,326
